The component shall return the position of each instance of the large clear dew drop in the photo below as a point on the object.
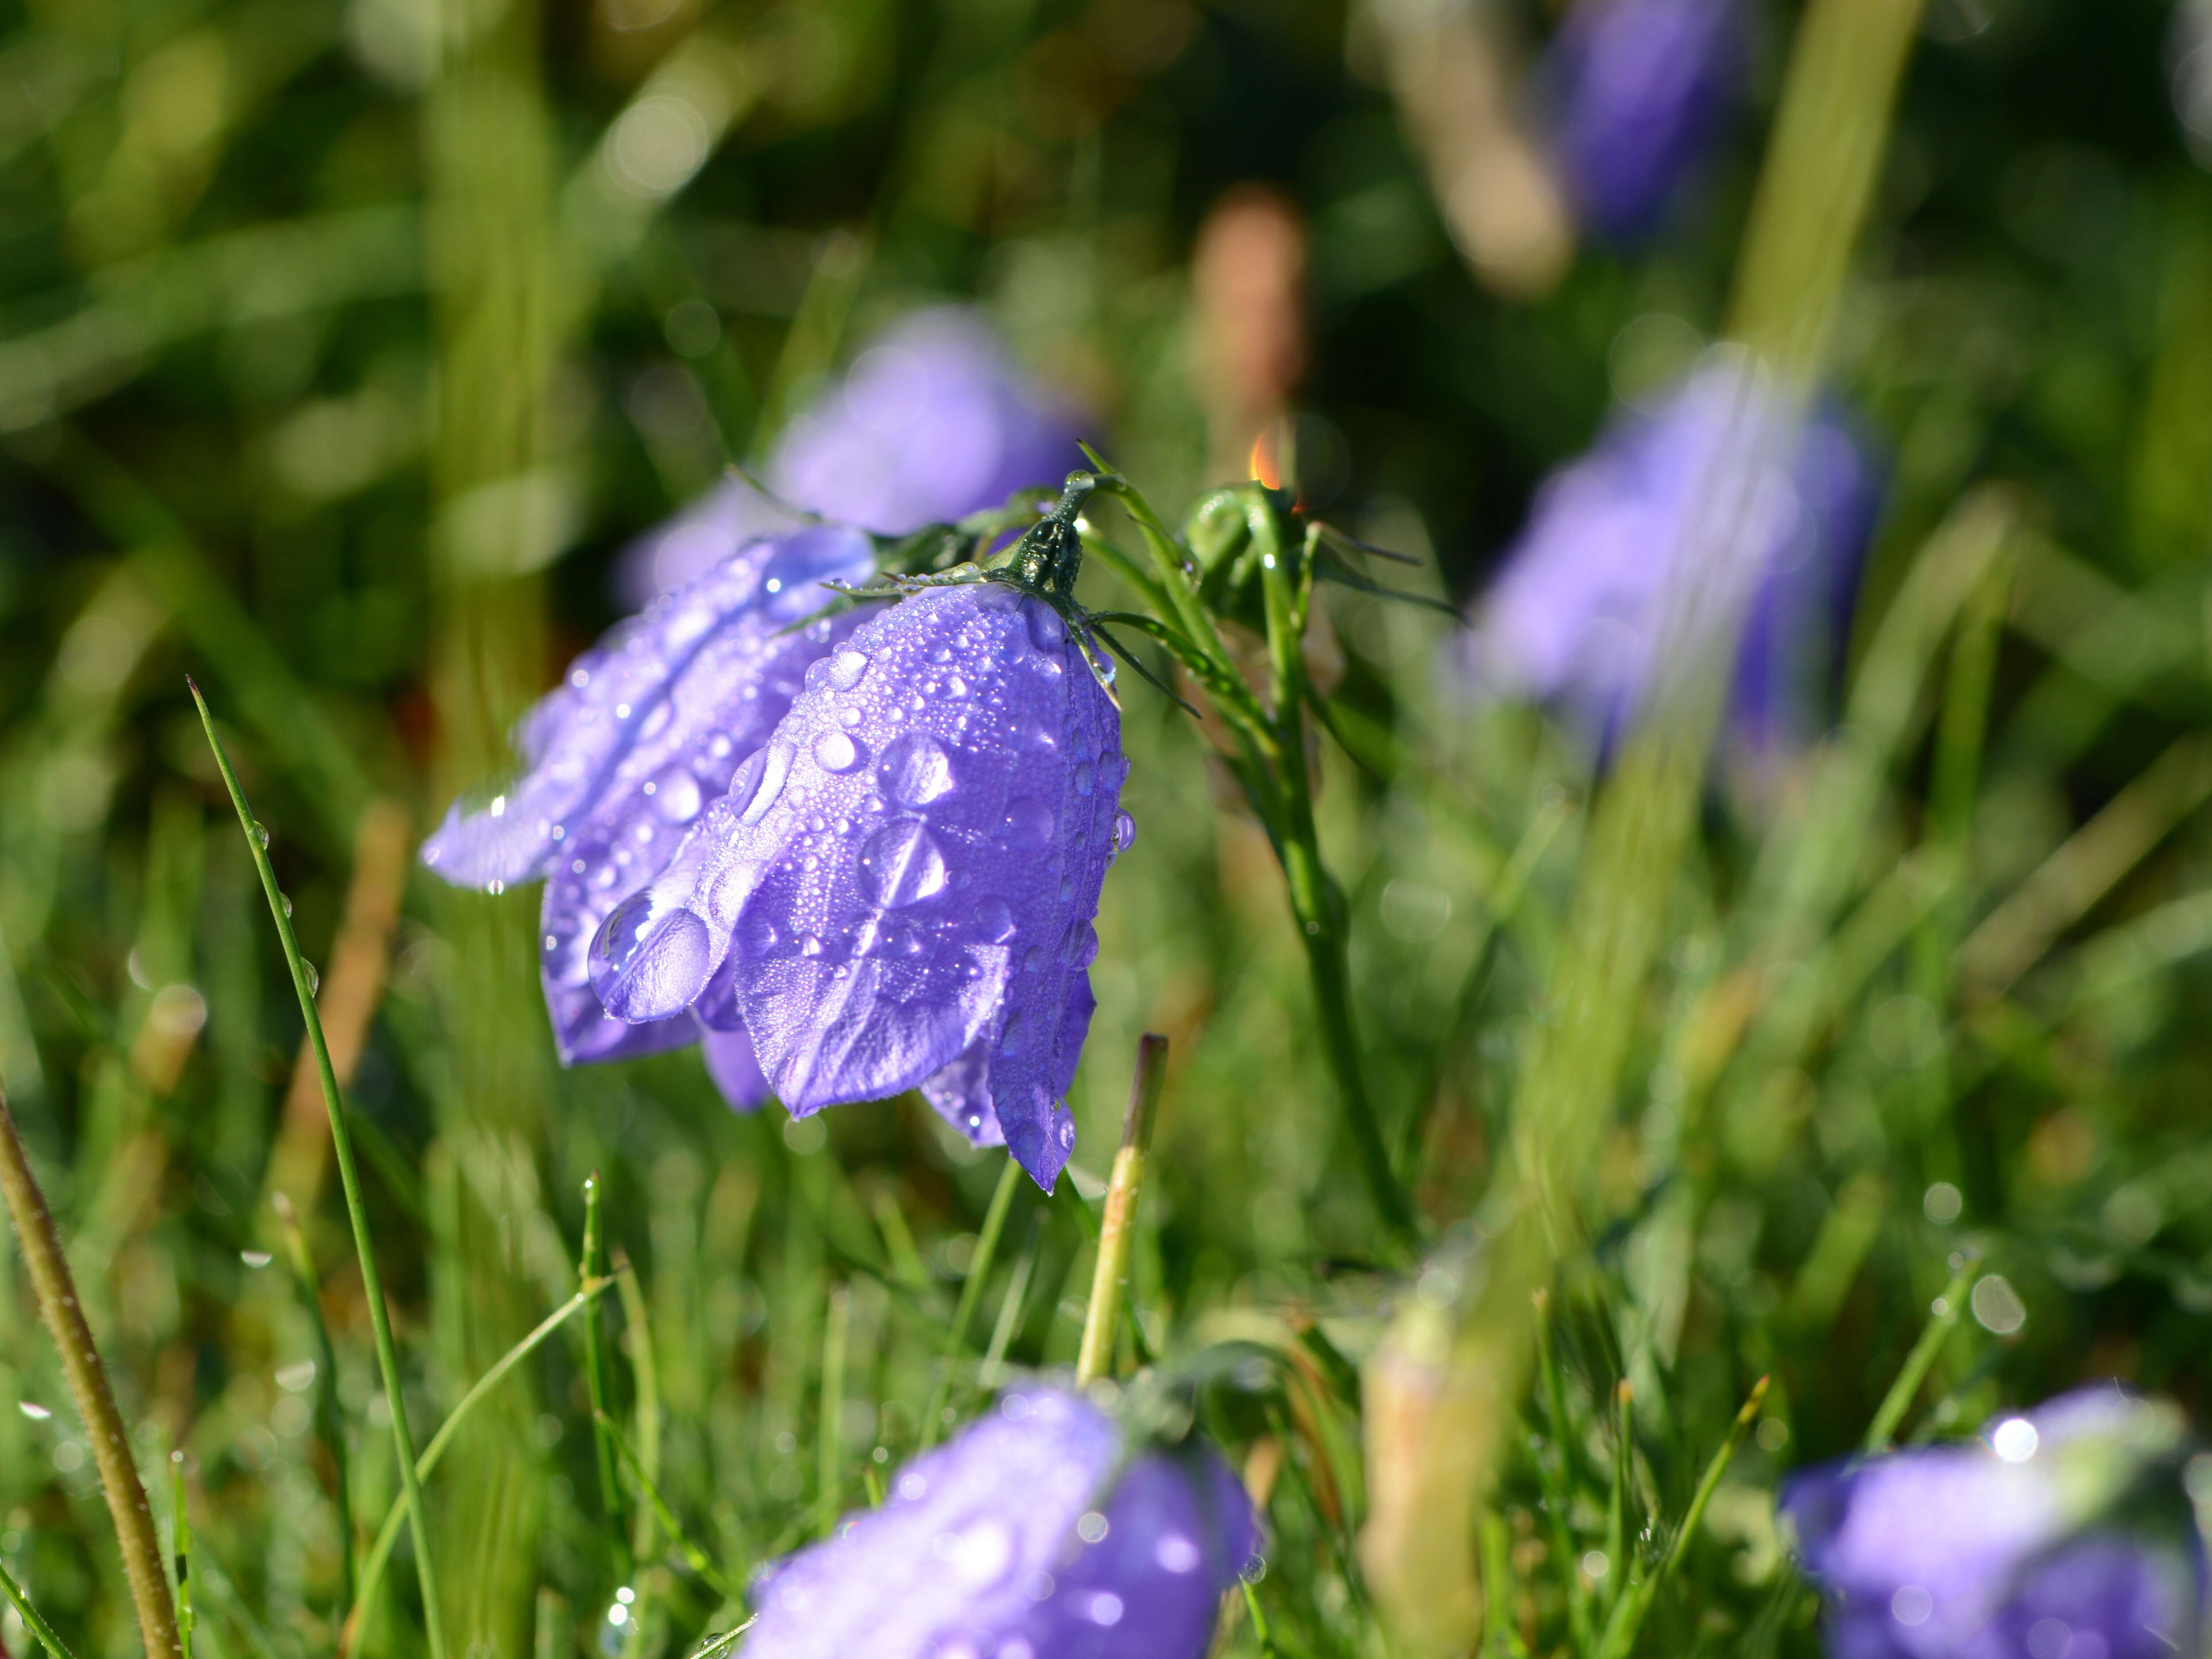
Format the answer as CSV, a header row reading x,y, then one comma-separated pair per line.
x,y
917,770
645,966
900,864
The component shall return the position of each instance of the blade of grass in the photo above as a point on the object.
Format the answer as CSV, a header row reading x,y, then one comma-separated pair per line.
x,y
388,1534
591,1265
56,1293
835,1330
387,1352
971,1291
1941,1320
698,1559
180,1532
33,1619
1117,1230
329,1415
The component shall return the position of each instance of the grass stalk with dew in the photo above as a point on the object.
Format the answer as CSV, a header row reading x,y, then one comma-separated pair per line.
x,y
1117,1226
55,1287
1943,1318
33,1621
387,1352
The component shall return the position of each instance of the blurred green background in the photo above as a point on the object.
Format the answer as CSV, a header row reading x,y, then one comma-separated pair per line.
x,y
343,345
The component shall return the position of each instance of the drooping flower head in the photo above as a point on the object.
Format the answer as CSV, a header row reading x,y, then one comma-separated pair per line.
x,y
2063,1534
1719,508
644,730
898,889
1040,1533
1641,89
934,421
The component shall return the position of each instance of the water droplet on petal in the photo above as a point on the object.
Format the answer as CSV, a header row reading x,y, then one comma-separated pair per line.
x,y
676,795
1028,822
917,770
1015,1034
758,939
759,781
900,864
1047,631
1125,832
995,921
846,668
1086,778
646,964
835,752
810,945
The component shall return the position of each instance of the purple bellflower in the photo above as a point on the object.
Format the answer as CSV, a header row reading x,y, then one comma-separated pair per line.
x,y
898,889
1717,508
644,731
1641,88
2063,1534
933,422
1039,1534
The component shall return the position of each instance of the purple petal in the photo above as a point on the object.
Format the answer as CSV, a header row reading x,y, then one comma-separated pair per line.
x,y
968,1534
1000,1546
960,1094
933,422
677,553
732,1064
909,869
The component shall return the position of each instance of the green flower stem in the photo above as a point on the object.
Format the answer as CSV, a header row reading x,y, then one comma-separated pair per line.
x,y
56,1291
33,1619
1117,1230
180,1532
372,1282
592,1266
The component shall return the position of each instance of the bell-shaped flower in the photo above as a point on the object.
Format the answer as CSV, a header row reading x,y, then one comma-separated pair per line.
x,y
2063,1534
898,889
622,756
1039,1533
1640,91
1719,508
933,420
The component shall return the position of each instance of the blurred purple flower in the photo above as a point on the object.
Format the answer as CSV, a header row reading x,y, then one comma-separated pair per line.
x,y
1641,89
1715,507
898,889
1037,1533
932,423
644,729
2064,1534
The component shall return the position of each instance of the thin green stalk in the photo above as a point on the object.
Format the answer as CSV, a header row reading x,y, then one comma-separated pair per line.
x,y
1117,1230
33,1621
1499,1639
1010,1309
330,1419
1942,1317
835,1330
971,1290
372,1282
56,1292
1556,1474
590,1265
698,1559
180,1532
1616,1507
1628,1613
387,1535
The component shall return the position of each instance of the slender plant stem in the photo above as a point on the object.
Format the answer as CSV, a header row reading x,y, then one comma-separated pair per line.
x,y
831,1451
180,1532
388,1534
590,1265
1941,1319
1117,1230
372,1282
330,1419
698,1559
56,1292
33,1621
971,1290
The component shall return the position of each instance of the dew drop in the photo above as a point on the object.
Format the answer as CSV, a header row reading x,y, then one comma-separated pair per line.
x,y
759,781
676,795
943,653
917,770
314,980
1029,822
846,667
810,945
285,899
1125,832
900,864
1086,778
955,687
645,964
835,752
1047,632
758,937
259,831
851,713
995,921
